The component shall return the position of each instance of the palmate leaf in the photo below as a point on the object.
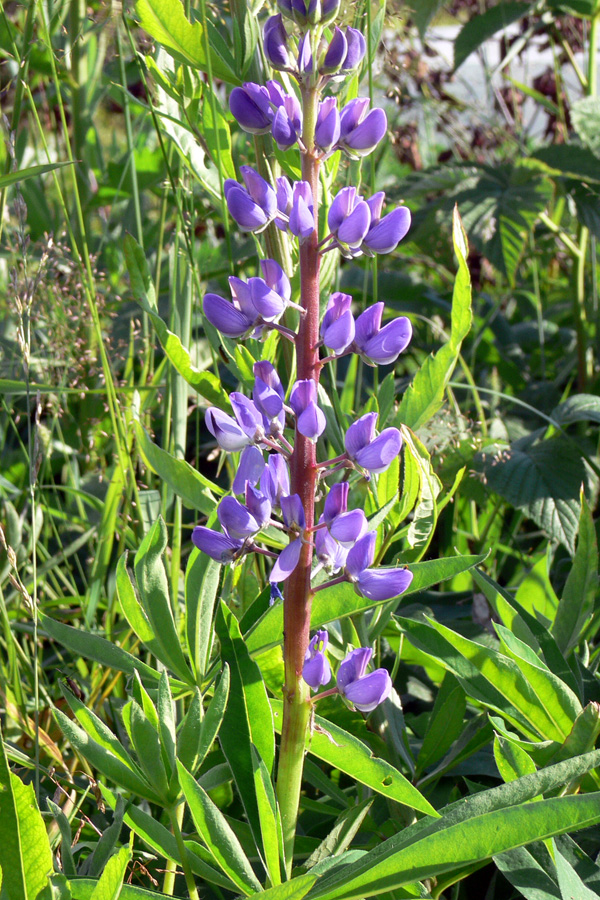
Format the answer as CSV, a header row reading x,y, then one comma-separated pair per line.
x,y
541,478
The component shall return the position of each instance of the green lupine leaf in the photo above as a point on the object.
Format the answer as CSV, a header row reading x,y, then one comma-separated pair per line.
x,y
341,835
217,835
153,586
484,25
347,753
270,820
512,761
445,723
202,576
111,881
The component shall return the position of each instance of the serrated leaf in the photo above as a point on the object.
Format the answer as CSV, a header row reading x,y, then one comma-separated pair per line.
x,y
347,753
485,25
543,479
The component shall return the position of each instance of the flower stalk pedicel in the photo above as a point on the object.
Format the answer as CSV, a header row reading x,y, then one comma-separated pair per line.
x,y
281,488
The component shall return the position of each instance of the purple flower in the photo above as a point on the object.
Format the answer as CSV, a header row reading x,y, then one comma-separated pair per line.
x,y
384,234
310,420
237,521
287,123
284,196
275,479
216,545
258,505
275,43
344,526
335,54
305,60
327,129
247,416
251,106
286,562
329,552
276,278
378,345
337,327
360,130
349,219
365,692
254,206
309,12
249,470
293,512
228,317
302,219
357,47
227,432
369,451
268,396
316,669
376,584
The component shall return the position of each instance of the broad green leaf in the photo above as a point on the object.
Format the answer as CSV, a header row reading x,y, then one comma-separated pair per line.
x,y
248,719
542,479
523,869
512,761
342,833
585,116
25,854
467,842
571,160
195,490
583,735
132,608
445,723
424,519
103,760
424,12
569,882
295,889
153,586
202,576
425,394
535,593
31,172
576,605
165,21
213,717
270,820
216,833
163,842
347,753
341,600
92,646
484,25
111,881
146,744
578,408
83,888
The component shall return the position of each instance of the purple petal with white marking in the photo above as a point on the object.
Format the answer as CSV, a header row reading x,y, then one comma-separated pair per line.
x,y
227,432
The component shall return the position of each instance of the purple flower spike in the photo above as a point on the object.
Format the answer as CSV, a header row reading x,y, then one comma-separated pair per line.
x,y
310,420
227,432
251,107
336,53
275,480
216,545
361,131
251,467
349,218
286,562
275,43
302,220
237,521
378,345
357,47
371,452
226,317
254,206
365,692
337,327
385,235
327,129
316,669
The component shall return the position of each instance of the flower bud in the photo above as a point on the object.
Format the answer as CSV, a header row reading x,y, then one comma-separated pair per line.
x,y
310,420
336,53
356,49
327,128
349,219
252,206
275,43
302,220
360,130
337,327
251,107
316,669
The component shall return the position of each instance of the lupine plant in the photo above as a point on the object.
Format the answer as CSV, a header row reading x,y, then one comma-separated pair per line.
x,y
283,488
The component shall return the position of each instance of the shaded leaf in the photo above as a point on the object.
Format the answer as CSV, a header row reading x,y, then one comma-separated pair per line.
x,y
484,25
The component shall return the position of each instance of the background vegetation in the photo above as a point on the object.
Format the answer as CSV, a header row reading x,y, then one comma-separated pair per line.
x,y
495,667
